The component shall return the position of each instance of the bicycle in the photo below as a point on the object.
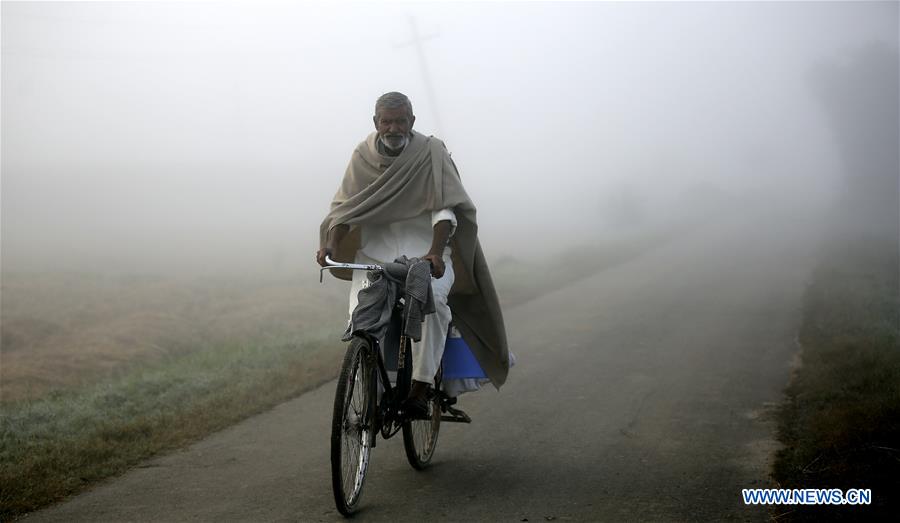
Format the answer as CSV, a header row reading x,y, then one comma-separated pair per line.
x,y
361,414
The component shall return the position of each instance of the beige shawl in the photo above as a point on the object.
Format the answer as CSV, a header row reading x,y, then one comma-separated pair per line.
x,y
384,189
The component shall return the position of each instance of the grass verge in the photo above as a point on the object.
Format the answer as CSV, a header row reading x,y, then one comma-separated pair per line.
x,y
840,424
57,445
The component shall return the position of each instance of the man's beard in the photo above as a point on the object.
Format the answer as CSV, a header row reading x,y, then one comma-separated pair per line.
x,y
394,142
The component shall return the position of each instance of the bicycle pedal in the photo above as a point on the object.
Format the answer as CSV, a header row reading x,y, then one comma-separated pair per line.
x,y
456,416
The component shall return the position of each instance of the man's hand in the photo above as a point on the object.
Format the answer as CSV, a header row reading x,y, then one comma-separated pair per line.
x,y
323,252
438,242
437,264
335,235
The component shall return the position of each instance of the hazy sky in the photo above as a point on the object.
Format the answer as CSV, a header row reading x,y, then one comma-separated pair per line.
x,y
211,136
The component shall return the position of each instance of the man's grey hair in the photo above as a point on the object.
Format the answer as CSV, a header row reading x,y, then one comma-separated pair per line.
x,y
393,100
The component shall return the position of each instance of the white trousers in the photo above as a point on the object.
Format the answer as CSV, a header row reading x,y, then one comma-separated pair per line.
x,y
426,353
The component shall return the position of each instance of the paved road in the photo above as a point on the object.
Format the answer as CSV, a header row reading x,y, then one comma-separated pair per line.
x,y
640,394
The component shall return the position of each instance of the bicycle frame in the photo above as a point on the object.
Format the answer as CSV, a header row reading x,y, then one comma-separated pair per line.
x,y
447,403
355,427
388,420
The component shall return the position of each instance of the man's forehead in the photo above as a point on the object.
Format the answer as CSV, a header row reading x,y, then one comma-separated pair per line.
x,y
392,112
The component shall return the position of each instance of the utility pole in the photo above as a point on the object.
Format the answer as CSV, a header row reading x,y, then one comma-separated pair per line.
x,y
423,66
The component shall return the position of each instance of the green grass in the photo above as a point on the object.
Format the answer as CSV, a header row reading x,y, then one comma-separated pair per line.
x,y
55,446
840,425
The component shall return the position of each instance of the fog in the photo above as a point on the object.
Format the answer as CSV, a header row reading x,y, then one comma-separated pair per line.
x,y
210,137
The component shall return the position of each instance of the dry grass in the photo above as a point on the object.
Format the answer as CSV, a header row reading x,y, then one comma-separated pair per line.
x,y
61,331
100,372
840,425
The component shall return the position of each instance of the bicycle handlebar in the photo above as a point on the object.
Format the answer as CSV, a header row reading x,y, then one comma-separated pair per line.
x,y
352,266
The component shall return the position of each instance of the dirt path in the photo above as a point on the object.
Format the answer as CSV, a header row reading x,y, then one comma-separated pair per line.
x,y
638,395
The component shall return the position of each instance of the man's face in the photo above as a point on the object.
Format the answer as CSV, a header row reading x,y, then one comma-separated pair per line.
x,y
393,126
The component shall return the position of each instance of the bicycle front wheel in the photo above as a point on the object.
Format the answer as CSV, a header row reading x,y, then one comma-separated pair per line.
x,y
352,430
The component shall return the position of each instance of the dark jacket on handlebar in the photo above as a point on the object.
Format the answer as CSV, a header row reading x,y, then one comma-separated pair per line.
x,y
409,277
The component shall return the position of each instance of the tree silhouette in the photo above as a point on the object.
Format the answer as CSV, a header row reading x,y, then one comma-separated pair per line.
x,y
861,99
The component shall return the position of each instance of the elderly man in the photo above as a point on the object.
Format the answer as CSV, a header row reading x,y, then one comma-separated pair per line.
x,y
402,195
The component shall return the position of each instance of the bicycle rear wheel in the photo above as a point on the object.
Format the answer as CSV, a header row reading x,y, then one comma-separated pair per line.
x,y
352,430
420,435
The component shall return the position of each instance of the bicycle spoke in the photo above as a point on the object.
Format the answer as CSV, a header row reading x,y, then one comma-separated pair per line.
x,y
351,430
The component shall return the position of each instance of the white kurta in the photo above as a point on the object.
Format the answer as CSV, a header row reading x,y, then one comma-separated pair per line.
x,y
413,237
383,243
